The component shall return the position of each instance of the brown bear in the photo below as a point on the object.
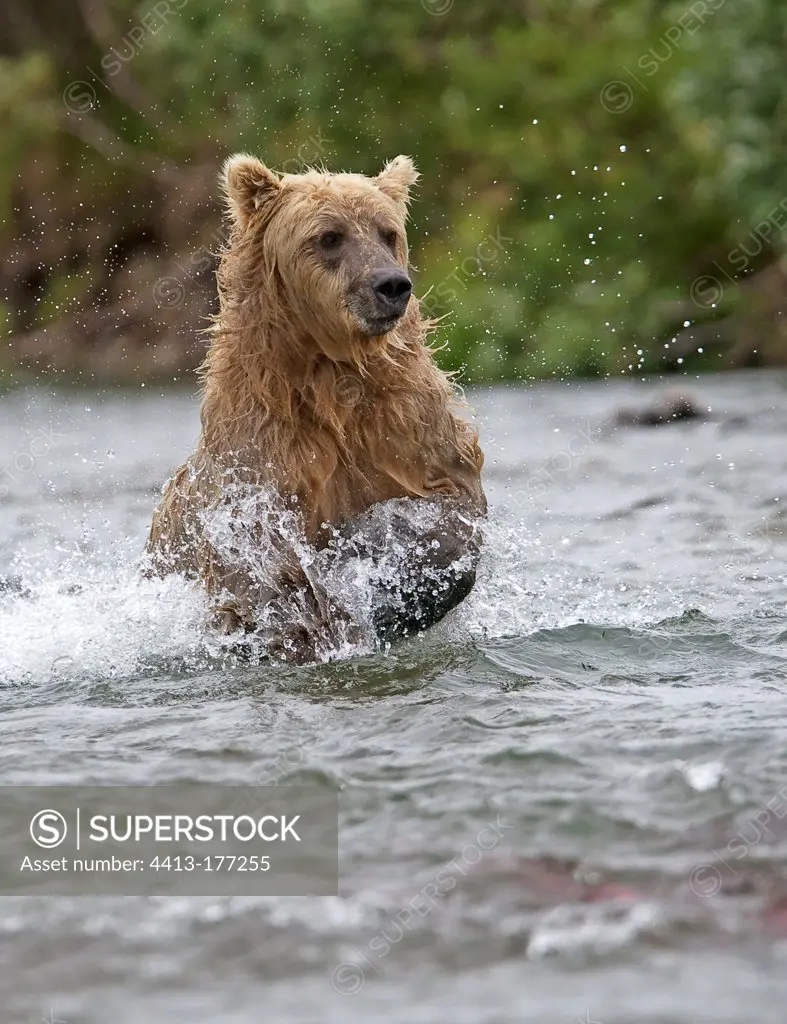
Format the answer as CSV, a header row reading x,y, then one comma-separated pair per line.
x,y
329,434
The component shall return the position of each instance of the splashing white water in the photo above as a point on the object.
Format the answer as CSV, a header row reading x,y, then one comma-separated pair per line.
x,y
96,617
93,622
393,571
624,535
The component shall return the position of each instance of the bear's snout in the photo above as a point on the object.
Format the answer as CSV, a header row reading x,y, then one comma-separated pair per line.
x,y
392,290
379,300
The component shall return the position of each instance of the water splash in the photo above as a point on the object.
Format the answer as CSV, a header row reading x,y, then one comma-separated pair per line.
x,y
392,572
92,622
93,616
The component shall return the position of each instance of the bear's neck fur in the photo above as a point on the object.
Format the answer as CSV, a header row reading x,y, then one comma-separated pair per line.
x,y
336,435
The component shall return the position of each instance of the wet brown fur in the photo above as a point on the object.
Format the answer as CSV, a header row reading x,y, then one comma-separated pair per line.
x,y
296,394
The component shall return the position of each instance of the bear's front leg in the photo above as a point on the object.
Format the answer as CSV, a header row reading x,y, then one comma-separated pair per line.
x,y
425,553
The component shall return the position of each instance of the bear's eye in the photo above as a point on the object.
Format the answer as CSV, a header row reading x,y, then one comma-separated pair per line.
x,y
389,238
330,240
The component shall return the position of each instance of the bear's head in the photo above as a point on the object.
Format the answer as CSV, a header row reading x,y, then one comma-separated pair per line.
x,y
326,252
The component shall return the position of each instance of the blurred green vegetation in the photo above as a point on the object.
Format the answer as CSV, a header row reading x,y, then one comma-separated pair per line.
x,y
584,162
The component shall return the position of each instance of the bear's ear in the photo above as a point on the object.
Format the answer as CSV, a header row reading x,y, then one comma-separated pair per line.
x,y
396,178
248,186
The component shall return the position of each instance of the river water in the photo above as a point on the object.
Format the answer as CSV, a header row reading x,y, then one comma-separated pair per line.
x,y
592,750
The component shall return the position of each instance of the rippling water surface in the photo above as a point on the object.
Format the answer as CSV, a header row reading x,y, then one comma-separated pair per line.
x,y
588,761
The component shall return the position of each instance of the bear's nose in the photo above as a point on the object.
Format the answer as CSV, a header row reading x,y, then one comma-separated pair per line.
x,y
392,289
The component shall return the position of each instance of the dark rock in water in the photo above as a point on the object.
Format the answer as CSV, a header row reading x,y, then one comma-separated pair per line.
x,y
668,408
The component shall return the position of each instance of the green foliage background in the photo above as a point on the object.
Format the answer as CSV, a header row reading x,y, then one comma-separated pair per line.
x,y
583,161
